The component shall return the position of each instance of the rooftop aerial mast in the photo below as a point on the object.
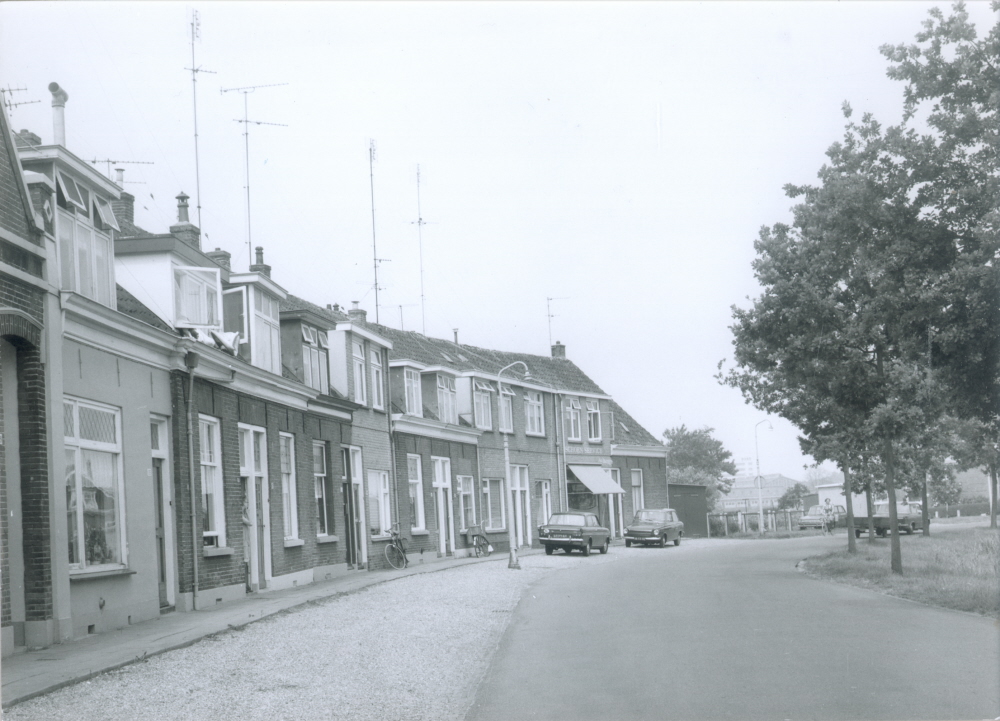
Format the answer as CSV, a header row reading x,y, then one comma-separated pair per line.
x,y
195,35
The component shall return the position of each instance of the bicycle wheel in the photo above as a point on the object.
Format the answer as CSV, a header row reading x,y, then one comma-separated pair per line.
x,y
482,546
395,556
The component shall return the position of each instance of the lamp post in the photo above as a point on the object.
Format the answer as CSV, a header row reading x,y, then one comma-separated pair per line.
x,y
512,561
760,480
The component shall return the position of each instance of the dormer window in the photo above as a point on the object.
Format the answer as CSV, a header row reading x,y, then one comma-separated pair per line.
x,y
85,251
265,347
315,365
414,400
71,193
197,300
482,406
360,385
447,399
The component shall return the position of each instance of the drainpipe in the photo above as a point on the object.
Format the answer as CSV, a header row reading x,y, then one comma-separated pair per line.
x,y
387,402
191,362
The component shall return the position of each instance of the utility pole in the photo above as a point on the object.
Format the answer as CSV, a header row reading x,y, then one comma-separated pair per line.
x,y
196,34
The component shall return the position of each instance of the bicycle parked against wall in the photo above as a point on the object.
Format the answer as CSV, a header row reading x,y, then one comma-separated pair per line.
x,y
479,541
395,550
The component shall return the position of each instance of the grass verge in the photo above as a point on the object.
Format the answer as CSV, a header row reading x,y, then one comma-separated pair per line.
x,y
957,568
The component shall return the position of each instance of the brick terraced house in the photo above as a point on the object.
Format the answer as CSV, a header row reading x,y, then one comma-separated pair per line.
x,y
175,434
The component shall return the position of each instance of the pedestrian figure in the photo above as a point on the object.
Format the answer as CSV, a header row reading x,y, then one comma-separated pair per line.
x,y
247,524
829,519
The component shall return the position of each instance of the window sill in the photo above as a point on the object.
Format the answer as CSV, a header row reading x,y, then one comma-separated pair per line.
x,y
212,552
494,530
419,532
381,537
327,539
534,435
294,542
594,440
575,440
76,576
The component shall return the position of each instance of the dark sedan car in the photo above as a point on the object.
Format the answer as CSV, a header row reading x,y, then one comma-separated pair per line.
x,y
574,529
655,526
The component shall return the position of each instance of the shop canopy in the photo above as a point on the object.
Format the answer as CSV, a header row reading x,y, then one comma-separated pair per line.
x,y
596,478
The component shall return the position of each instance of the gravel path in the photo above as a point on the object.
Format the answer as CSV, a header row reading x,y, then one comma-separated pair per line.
x,y
413,648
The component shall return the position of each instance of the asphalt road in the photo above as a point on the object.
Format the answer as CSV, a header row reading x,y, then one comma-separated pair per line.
x,y
730,630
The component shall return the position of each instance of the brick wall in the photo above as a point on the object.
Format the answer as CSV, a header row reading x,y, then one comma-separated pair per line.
x,y
12,211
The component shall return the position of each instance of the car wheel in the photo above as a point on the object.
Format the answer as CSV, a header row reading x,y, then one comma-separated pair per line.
x,y
549,550
663,541
912,529
857,533
586,549
802,528
628,543
606,546
677,541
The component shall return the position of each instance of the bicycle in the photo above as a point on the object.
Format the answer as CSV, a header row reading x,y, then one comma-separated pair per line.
x,y
479,541
395,550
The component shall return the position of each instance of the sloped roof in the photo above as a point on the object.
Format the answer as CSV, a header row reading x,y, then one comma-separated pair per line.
x,y
627,431
129,305
293,303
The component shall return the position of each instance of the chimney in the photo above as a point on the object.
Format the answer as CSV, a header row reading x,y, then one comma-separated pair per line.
x,y
356,314
184,229
558,350
221,257
120,177
455,331
260,266
59,98
124,210
27,139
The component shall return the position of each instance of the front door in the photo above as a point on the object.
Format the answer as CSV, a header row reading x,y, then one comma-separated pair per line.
x,y
256,501
160,532
354,508
443,505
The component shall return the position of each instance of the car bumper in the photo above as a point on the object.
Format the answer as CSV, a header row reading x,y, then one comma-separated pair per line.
x,y
812,524
563,542
643,539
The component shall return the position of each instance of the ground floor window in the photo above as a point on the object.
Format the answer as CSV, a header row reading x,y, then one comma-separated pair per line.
x,y
638,501
94,500
494,505
380,513
321,480
468,510
416,482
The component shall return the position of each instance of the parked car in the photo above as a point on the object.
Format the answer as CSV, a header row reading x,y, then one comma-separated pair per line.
x,y
909,519
817,515
574,529
655,526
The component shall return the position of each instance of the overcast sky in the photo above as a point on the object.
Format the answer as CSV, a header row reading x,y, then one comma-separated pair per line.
x,y
618,157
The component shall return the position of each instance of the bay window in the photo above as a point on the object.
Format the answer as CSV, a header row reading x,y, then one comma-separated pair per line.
x,y
95,506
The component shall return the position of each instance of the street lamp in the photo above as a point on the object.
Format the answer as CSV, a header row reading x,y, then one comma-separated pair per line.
x,y
512,561
760,481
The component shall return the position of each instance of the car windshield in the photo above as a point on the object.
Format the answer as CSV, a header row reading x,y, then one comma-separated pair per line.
x,y
815,511
567,519
650,517
884,508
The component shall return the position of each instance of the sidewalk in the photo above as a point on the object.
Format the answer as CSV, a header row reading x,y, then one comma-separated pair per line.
x,y
33,673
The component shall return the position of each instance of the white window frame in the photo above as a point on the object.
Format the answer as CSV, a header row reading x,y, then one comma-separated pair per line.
x,y
636,474
200,278
266,319
506,409
593,420
71,191
320,479
575,431
106,214
482,404
378,380
534,413
420,522
74,443
289,490
315,362
212,460
447,396
414,393
466,491
75,232
379,503
487,495
360,379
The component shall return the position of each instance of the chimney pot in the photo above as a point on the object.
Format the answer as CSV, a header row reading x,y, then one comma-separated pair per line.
x,y
184,229
182,208
120,177
455,331
221,257
558,350
260,266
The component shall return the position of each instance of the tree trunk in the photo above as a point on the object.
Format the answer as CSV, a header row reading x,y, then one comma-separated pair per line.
x,y
896,553
993,495
925,512
871,510
852,547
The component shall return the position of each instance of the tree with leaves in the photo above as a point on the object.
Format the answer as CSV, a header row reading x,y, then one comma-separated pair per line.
x,y
792,498
696,458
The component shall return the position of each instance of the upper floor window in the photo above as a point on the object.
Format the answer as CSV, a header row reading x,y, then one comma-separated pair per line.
x,y
86,257
506,409
533,414
593,420
378,380
266,343
482,406
360,386
447,399
414,400
197,300
573,432
315,366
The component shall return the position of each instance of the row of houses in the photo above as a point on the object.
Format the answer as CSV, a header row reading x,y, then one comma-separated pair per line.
x,y
175,434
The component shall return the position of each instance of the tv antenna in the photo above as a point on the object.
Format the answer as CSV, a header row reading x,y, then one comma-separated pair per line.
x,y
246,145
196,35
548,312
9,91
371,181
407,305
111,161
420,223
